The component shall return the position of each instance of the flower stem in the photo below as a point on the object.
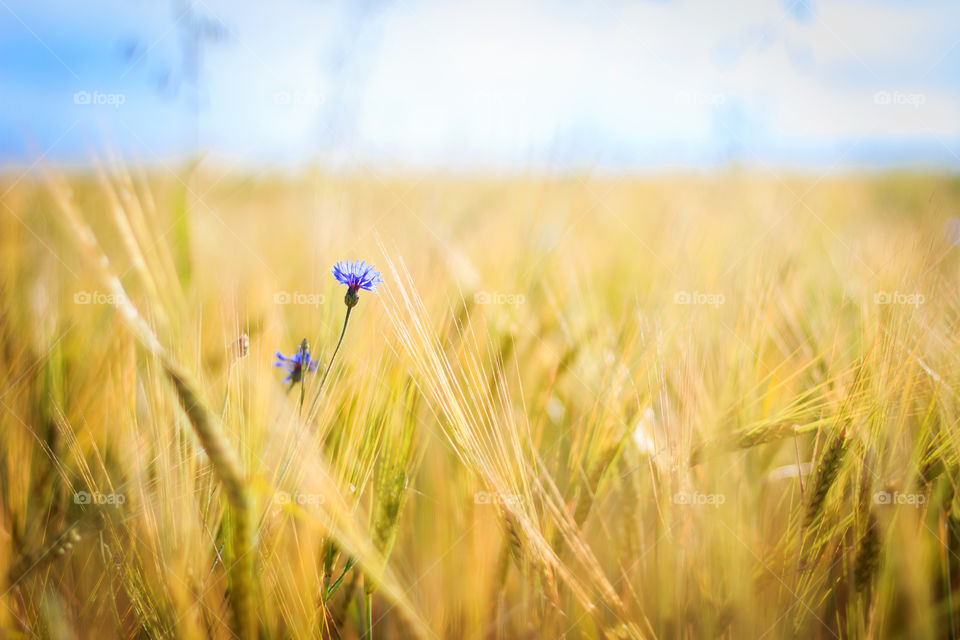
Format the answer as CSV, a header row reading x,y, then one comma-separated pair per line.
x,y
303,384
343,332
368,599
304,367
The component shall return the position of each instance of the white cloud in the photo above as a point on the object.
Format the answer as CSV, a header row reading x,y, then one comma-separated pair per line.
x,y
509,82
489,77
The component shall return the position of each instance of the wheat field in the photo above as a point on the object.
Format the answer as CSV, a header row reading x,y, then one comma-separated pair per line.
x,y
680,406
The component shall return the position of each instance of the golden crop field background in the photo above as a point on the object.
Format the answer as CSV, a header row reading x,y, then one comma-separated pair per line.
x,y
664,407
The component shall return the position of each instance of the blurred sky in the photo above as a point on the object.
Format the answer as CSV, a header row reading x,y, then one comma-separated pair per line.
x,y
484,84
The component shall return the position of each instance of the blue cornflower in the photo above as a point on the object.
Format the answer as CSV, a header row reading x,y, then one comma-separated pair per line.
x,y
294,365
356,275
